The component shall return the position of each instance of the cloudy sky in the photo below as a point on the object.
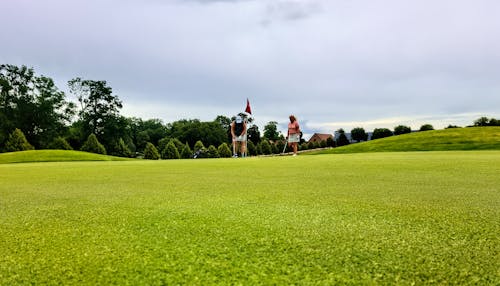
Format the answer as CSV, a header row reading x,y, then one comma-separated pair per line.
x,y
333,63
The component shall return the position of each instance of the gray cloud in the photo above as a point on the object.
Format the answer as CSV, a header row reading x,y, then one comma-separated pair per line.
x,y
332,63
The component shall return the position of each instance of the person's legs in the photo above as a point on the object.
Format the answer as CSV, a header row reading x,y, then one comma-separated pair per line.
x,y
243,148
295,148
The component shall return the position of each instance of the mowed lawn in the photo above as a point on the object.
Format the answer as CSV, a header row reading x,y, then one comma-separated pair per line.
x,y
372,218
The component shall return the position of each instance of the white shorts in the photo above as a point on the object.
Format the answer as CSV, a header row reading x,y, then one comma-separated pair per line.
x,y
294,138
241,138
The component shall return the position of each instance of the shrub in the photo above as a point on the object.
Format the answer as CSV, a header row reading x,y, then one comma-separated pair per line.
x,y
198,146
381,133
224,151
330,142
426,127
212,152
60,144
17,142
122,149
251,149
265,147
186,152
401,129
150,152
170,151
92,145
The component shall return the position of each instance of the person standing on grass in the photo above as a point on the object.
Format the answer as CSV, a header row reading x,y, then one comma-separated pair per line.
x,y
293,135
239,134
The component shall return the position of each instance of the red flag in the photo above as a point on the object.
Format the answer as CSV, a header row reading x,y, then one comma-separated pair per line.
x,y
248,109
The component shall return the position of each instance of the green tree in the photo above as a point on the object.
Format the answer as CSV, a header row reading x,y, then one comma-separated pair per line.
x,y
401,129
224,150
93,145
253,134
99,108
271,131
359,134
342,138
426,127
198,146
330,142
170,151
17,142
381,133
186,152
60,144
150,152
33,104
251,148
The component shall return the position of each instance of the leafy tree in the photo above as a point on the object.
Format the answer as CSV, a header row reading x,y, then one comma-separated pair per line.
x,y
60,144
33,104
271,131
253,134
452,126
93,145
97,106
401,129
122,149
342,138
17,142
212,152
224,150
426,127
186,152
483,121
170,151
359,134
303,146
150,152
381,133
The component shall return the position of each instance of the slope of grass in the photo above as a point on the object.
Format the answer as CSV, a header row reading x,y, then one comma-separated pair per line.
x,y
54,156
474,138
360,219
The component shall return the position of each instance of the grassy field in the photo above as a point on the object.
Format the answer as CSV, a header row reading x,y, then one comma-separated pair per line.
x,y
474,138
54,156
373,218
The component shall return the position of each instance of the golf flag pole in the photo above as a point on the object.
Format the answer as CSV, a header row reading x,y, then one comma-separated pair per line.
x,y
248,109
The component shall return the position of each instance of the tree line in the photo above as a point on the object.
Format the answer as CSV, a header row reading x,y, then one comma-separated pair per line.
x,y
35,114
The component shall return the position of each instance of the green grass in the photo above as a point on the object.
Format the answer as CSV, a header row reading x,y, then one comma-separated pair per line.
x,y
475,138
373,218
54,156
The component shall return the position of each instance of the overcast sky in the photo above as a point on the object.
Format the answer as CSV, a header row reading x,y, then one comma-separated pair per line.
x,y
333,63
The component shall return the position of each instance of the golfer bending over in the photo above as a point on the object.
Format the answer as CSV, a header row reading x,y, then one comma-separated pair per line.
x,y
239,134
293,136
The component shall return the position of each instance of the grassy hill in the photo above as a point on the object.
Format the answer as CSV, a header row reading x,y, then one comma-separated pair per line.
x,y
54,156
474,138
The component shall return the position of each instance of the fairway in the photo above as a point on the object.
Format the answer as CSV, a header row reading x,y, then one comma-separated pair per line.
x,y
372,218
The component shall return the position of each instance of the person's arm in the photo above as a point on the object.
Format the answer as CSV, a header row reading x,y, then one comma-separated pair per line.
x,y
232,130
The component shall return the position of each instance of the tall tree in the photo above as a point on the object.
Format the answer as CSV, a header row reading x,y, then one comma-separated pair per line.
x,y
359,134
32,103
97,104
271,131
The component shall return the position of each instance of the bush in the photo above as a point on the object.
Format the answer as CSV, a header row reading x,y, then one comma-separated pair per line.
x,y
198,146
186,153
170,151
60,144
426,127
224,151
92,145
381,133
212,152
17,142
150,152
265,147
330,142
251,148
122,149
401,129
